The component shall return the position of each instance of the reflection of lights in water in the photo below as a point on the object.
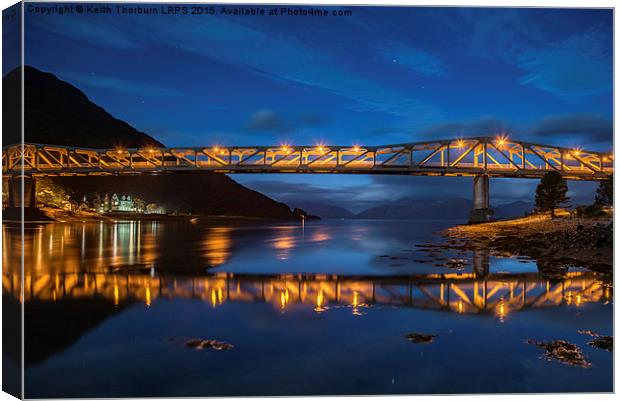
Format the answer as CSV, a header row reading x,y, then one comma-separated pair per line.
x,y
320,237
217,297
54,295
578,300
356,304
217,245
319,302
283,245
284,298
213,298
147,297
460,306
501,310
441,292
116,295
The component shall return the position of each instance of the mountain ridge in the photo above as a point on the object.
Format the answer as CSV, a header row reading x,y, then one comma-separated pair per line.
x,y
58,113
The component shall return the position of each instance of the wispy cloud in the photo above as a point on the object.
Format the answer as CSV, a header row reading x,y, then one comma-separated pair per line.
x,y
87,29
483,126
411,57
119,85
279,57
583,128
578,65
268,120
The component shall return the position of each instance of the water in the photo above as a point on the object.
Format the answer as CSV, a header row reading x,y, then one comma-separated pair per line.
x,y
316,309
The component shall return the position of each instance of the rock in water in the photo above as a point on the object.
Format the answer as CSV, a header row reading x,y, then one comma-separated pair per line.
x,y
599,341
562,351
201,344
420,338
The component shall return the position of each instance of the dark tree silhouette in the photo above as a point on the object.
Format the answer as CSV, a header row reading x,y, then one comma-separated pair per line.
x,y
605,192
551,193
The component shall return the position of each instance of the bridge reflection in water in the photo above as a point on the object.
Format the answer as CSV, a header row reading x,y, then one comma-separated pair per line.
x,y
469,293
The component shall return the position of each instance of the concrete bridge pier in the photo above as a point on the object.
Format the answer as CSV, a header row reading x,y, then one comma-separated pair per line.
x,y
17,198
481,212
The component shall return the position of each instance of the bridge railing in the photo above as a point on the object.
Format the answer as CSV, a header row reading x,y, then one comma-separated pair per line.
x,y
495,156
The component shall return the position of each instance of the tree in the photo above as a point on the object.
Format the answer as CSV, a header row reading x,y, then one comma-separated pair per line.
x,y
50,194
605,192
551,193
139,205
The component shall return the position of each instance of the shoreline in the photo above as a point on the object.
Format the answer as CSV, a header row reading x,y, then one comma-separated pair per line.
x,y
52,215
555,244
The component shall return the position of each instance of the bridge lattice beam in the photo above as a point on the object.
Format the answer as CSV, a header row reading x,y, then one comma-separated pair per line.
x,y
498,157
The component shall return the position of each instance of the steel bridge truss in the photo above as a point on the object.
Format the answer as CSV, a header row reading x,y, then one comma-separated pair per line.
x,y
498,157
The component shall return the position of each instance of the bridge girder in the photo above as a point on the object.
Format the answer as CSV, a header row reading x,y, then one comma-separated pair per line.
x,y
493,157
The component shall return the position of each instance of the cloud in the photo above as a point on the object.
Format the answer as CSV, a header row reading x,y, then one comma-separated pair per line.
x,y
279,57
85,29
269,121
119,85
484,126
413,58
580,129
313,120
589,128
579,65
504,33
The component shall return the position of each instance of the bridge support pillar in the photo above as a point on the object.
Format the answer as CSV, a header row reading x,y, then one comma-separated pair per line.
x,y
16,197
481,212
26,200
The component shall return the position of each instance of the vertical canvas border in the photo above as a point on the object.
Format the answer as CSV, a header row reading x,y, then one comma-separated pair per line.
x,y
12,303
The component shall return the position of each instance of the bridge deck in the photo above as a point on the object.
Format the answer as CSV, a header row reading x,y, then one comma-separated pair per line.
x,y
498,157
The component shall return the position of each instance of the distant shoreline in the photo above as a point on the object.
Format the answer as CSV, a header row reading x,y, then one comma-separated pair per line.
x,y
554,244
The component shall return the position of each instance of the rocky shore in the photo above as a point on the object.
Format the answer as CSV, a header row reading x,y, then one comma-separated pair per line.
x,y
554,243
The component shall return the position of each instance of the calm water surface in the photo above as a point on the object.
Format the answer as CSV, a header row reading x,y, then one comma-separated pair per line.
x,y
316,309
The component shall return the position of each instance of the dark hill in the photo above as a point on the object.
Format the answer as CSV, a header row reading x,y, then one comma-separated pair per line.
x,y
58,113
211,194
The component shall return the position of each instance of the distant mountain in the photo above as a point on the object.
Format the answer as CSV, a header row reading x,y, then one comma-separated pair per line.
x,y
443,209
422,209
512,209
324,211
56,112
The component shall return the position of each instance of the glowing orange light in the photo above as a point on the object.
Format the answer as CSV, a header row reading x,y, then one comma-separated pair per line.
x,y
576,151
460,143
356,148
120,150
501,140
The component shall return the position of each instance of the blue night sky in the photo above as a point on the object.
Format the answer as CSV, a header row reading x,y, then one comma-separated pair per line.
x,y
384,75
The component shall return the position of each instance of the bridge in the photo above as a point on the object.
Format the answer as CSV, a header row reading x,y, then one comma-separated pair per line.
x,y
477,157
496,294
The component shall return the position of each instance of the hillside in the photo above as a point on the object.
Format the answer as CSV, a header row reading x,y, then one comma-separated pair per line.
x,y
58,113
324,211
211,194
